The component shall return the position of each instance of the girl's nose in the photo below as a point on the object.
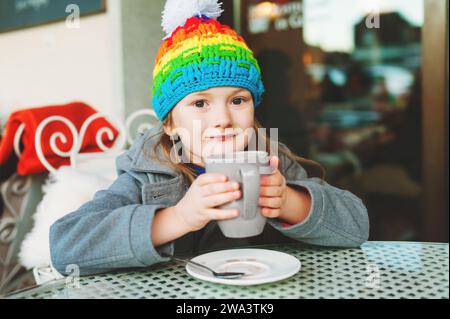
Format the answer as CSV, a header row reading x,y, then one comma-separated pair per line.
x,y
221,117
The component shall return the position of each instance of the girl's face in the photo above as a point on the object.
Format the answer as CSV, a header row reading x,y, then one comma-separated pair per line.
x,y
214,121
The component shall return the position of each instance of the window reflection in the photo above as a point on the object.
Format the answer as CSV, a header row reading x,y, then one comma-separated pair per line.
x,y
343,86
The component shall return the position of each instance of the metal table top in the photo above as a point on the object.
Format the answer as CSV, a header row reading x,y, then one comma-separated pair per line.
x,y
376,270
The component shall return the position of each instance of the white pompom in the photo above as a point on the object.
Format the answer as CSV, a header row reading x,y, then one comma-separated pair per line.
x,y
176,12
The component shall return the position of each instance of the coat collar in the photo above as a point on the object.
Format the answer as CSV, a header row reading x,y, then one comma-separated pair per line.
x,y
143,156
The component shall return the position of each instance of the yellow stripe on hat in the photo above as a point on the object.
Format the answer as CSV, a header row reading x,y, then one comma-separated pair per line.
x,y
188,47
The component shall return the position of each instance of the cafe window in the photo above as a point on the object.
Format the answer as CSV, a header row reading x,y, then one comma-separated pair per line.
x,y
343,83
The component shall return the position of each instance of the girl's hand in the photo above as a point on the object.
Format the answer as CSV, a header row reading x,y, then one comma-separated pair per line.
x,y
272,191
208,190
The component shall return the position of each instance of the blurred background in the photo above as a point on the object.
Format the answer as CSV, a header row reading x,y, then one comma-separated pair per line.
x,y
360,86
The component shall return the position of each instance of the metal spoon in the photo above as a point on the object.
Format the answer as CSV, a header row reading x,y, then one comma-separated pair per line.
x,y
224,275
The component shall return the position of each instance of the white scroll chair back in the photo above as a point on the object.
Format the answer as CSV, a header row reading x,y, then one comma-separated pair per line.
x,y
74,153
151,121
103,164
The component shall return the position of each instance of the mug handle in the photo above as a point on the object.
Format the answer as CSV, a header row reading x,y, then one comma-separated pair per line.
x,y
250,177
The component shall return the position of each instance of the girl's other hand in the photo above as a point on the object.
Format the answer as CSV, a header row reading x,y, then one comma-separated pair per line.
x,y
209,190
272,191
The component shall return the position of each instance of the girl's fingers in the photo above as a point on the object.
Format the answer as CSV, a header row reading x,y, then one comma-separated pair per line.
x,y
271,202
274,162
272,180
217,188
271,191
209,178
270,213
219,214
220,199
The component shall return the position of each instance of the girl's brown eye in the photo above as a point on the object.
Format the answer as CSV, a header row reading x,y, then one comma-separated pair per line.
x,y
199,103
237,101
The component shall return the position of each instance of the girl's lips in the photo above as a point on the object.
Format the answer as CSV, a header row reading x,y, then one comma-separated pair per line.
x,y
220,138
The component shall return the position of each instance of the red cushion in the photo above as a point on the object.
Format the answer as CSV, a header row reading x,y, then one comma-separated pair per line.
x,y
76,112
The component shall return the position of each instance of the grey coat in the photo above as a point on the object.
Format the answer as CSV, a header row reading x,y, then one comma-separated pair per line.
x,y
113,230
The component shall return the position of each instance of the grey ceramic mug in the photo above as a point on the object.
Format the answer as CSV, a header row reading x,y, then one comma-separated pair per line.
x,y
245,168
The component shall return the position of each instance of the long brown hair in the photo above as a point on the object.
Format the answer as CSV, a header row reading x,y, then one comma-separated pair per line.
x,y
166,143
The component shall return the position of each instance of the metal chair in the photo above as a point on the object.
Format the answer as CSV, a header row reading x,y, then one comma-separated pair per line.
x,y
22,194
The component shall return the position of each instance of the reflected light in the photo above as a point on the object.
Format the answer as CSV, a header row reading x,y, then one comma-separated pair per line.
x,y
307,58
265,9
370,6
330,25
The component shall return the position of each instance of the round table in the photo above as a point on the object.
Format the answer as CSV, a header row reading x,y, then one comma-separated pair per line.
x,y
375,270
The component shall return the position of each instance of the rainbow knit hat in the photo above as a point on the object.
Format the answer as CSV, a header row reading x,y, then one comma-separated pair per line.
x,y
199,53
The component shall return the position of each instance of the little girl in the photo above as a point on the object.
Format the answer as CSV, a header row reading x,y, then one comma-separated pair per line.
x,y
206,86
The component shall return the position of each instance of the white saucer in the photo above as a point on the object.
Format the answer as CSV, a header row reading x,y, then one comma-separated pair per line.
x,y
260,265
